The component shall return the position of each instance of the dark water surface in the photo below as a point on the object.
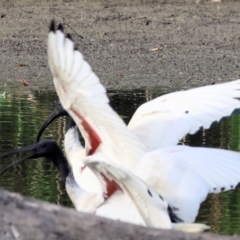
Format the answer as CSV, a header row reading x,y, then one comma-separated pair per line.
x,y
21,116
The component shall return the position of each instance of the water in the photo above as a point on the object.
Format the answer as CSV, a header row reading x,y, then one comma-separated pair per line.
x,y
22,114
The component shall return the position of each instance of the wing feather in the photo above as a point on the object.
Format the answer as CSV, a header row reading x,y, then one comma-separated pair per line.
x,y
167,119
186,175
80,91
151,207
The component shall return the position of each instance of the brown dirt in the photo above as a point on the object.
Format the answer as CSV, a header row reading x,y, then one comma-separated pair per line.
x,y
130,44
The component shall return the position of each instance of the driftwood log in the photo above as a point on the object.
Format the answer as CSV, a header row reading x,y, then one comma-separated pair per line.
x,y
22,218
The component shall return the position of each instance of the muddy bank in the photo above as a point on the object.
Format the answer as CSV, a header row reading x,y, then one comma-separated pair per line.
x,y
129,44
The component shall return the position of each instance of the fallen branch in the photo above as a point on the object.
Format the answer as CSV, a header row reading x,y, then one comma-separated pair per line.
x,y
22,218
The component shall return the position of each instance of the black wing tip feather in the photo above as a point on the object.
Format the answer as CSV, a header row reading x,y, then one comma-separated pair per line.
x,y
52,27
173,216
69,36
60,27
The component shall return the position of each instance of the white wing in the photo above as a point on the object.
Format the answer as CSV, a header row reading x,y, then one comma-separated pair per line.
x,y
152,208
120,207
167,119
186,175
83,96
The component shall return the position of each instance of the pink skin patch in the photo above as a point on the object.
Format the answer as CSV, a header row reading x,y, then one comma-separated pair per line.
x,y
112,187
82,168
95,140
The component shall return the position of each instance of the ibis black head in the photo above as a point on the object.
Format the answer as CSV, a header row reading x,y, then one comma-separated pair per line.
x,y
46,148
57,112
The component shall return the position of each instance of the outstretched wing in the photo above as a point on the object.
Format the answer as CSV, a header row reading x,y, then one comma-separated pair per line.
x,y
186,175
167,119
83,96
151,206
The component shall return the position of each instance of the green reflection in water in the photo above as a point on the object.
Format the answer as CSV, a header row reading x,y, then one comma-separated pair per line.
x,y
21,116
20,119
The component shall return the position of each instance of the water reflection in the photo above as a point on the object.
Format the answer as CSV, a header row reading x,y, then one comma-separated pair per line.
x,y
21,116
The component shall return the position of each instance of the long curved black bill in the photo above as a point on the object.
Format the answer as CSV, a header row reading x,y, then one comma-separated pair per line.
x,y
57,112
45,148
15,163
19,150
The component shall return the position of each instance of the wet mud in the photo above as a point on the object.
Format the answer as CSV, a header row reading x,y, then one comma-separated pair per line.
x,y
129,44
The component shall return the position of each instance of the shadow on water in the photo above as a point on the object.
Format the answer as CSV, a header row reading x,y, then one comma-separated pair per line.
x,y
21,116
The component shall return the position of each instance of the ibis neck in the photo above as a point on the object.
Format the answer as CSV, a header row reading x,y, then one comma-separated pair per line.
x,y
58,159
71,123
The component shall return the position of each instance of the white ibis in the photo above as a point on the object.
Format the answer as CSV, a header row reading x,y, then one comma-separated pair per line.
x,y
183,175
140,203
178,172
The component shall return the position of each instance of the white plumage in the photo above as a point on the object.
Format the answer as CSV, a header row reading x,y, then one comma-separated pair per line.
x,y
75,88
151,207
186,175
183,175
167,119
